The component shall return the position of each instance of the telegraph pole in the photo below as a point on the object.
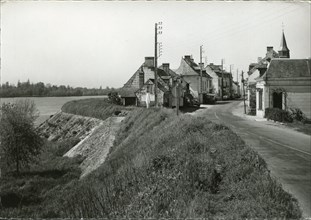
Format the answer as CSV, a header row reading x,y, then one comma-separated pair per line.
x,y
157,26
201,81
156,64
222,79
243,92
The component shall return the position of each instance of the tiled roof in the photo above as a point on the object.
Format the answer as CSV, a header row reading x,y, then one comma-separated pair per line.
x,y
195,67
128,92
288,68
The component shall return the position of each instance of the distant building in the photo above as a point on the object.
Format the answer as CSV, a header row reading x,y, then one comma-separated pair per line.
x,y
236,91
190,72
219,78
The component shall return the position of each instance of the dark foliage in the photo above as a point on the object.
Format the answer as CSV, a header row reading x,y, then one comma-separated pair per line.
x,y
27,89
277,114
19,141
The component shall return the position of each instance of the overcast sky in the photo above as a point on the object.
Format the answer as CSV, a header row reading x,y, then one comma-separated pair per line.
x,y
101,43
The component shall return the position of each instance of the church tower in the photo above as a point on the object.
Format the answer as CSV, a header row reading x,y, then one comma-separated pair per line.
x,y
284,51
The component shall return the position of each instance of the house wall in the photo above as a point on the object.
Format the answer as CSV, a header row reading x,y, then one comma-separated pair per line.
x,y
141,96
300,100
194,82
265,99
298,93
214,82
149,74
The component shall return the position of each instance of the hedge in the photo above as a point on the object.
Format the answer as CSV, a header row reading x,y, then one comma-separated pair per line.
x,y
277,114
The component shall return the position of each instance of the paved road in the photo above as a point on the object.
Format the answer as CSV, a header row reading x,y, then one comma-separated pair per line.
x,y
287,152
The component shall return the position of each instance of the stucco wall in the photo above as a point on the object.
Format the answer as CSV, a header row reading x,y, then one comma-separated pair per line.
x,y
301,101
194,82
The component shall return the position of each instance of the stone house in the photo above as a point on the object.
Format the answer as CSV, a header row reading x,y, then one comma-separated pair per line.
x,y
190,72
135,90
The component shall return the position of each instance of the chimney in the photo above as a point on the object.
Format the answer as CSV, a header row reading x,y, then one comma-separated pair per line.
x,y
149,62
141,79
166,67
259,59
202,65
211,64
269,49
187,57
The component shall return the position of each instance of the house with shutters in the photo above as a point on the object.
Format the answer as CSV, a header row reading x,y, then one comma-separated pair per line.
x,y
285,84
190,72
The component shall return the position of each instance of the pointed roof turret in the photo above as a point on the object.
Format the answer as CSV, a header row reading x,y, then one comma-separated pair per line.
x,y
284,51
283,45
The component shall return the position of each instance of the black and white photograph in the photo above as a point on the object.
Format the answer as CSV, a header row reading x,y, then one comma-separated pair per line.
x,y
155,109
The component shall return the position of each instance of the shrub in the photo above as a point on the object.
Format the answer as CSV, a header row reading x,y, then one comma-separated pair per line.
x,y
297,114
277,114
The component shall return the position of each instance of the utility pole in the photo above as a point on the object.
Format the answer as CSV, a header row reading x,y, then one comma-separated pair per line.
x,y
243,92
222,79
201,80
158,26
177,96
237,80
157,30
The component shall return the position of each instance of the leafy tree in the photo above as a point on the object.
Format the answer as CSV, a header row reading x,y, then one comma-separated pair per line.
x,y
19,142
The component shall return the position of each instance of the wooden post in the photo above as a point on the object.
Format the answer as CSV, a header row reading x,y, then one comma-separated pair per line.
x,y
243,92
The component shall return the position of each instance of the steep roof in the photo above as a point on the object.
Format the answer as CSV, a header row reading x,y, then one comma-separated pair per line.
x,y
189,67
128,92
169,73
218,70
161,85
283,45
288,68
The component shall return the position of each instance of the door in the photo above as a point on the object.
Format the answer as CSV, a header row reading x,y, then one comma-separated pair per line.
x,y
277,100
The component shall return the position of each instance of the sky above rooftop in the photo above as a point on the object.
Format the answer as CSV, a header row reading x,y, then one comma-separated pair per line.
x,y
102,43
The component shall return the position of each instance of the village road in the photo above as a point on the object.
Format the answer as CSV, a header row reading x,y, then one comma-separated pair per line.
x,y
287,152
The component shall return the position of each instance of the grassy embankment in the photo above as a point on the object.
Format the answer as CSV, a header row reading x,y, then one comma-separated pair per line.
x,y
96,108
161,166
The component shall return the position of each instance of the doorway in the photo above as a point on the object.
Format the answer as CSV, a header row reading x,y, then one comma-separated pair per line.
x,y
277,100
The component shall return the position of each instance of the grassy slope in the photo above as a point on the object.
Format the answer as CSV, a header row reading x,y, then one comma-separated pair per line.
x,y
96,107
164,166
36,191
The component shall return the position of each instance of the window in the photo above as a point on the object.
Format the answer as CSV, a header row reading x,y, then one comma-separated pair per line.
x,y
260,99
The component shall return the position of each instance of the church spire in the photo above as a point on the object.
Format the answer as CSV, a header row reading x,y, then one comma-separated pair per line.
x,y
284,51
